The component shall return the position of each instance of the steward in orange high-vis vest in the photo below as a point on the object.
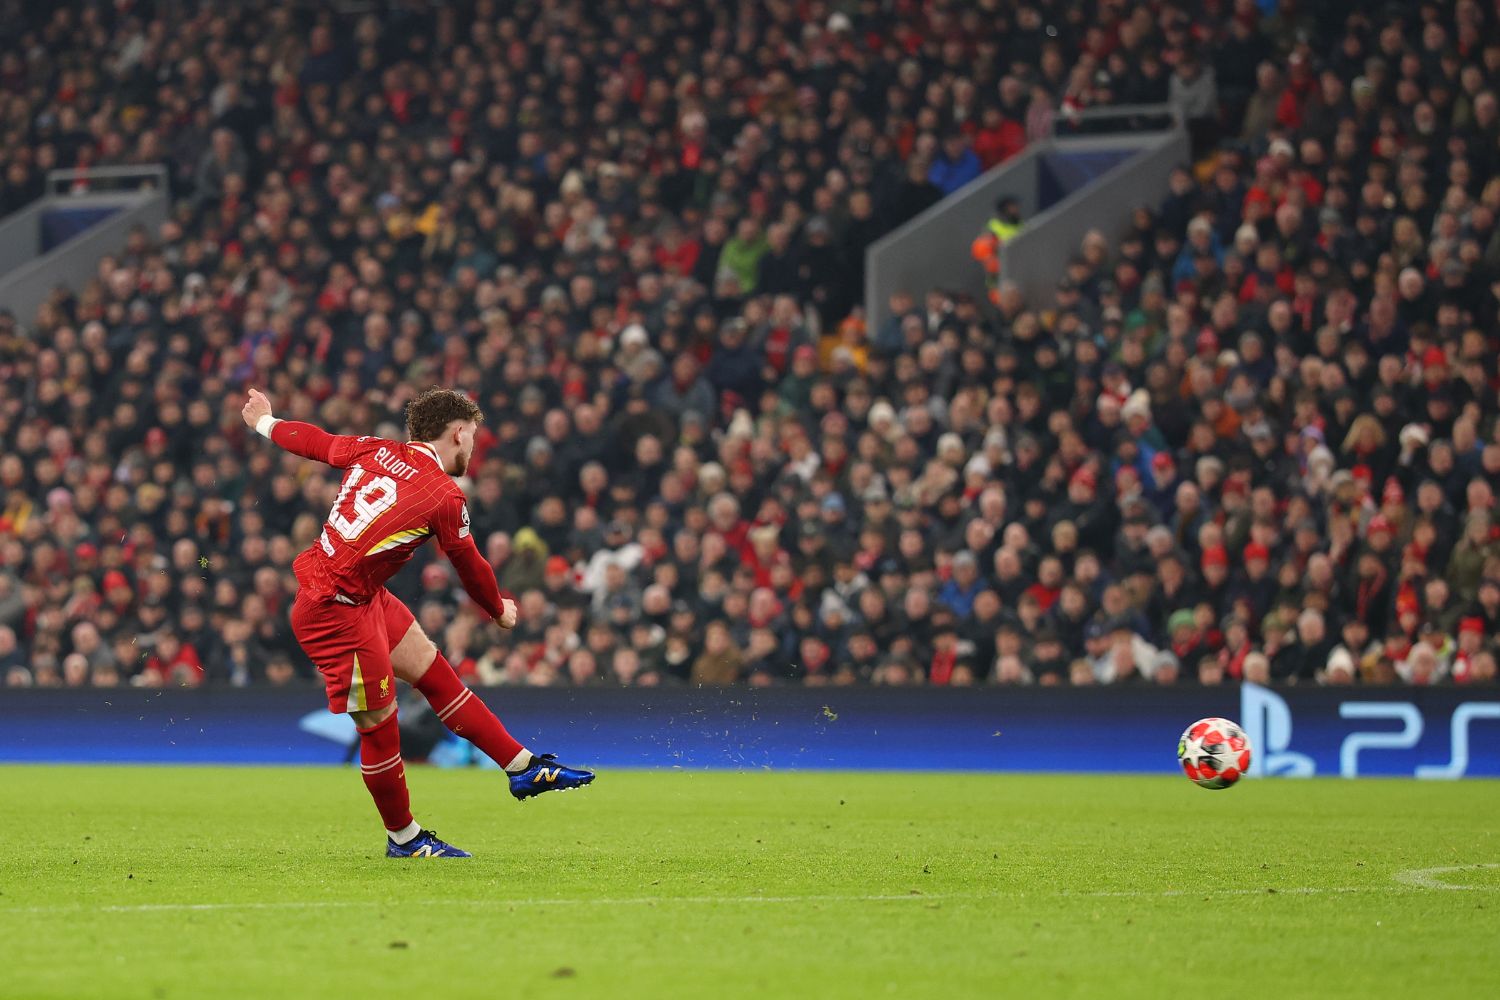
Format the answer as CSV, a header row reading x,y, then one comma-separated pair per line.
x,y
986,246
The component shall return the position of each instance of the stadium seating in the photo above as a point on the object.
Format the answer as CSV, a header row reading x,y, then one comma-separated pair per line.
x,y
1253,438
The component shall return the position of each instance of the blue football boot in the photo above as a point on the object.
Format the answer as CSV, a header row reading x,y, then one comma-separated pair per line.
x,y
424,845
546,775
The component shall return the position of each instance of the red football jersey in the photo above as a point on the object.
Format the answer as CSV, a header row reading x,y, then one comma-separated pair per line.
x,y
394,496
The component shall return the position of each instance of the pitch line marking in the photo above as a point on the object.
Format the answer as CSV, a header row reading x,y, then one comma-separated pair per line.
x,y
346,903
1427,878
1420,878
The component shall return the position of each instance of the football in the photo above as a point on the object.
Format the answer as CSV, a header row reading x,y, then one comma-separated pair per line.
x,y
1214,753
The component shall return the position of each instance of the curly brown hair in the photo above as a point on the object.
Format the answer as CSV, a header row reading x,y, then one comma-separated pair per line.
x,y
429,413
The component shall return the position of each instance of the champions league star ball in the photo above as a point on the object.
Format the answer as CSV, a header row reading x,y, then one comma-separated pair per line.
x,y
1215,753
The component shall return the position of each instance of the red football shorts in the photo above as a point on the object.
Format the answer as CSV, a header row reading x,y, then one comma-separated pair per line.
x,y
351,647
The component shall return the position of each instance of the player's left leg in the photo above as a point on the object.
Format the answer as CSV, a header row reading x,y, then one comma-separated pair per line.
x,y
416,660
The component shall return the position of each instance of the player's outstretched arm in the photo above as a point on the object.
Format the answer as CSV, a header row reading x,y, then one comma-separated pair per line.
x,y
303,439
478,577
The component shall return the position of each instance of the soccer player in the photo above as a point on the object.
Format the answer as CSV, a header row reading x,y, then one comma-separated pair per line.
x,y
393,497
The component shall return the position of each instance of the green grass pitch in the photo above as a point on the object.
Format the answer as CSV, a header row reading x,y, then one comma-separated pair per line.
x,y
218,882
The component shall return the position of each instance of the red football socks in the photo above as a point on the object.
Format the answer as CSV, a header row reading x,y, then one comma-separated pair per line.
x,y
384,773
467,716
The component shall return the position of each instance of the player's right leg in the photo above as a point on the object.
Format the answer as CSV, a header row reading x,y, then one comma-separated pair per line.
x,y
418,661
349,647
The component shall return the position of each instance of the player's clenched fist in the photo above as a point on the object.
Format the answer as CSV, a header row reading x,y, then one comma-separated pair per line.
x,y
508,616
256,406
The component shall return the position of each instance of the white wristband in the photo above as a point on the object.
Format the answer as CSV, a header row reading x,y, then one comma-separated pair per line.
x,y
264,424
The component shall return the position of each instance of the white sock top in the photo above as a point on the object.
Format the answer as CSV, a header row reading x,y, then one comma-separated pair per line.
x,y
406,834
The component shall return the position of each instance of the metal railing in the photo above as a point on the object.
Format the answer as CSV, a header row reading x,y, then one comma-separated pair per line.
x,y
1164,114
95,180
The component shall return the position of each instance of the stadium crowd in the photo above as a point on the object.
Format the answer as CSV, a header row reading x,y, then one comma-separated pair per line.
x,y
1255,437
